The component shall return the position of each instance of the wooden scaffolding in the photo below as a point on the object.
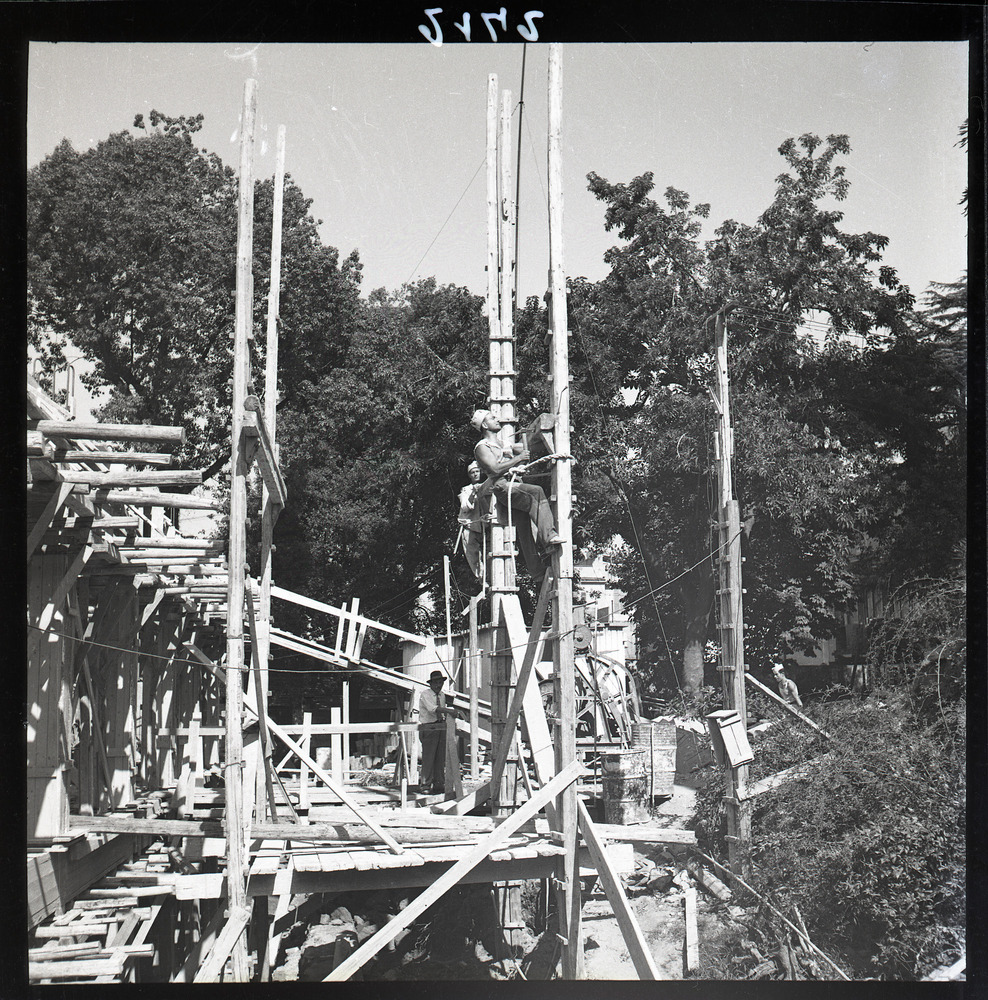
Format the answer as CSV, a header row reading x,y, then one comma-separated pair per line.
x,y
172,823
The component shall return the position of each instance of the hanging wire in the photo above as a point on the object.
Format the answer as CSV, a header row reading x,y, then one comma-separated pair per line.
x,y
521,109
448,217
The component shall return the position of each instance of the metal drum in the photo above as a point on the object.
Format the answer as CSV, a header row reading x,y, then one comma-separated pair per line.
x,y
625,786
657,740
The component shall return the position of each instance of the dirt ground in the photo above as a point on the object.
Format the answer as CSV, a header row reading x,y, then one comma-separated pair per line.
x,y
661,916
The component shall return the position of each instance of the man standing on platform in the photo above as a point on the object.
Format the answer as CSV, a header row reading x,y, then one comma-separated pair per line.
x,y
432,720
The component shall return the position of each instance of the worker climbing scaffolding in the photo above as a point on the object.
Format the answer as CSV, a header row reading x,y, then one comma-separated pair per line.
x,y
501,465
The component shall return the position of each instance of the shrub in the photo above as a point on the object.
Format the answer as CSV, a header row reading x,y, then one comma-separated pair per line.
x,y
871,847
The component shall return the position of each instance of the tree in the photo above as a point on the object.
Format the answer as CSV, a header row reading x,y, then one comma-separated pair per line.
x,y
131,254
132,258
642,364
372,449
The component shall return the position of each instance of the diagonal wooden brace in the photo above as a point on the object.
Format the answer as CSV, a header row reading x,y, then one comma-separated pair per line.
x,y
450,878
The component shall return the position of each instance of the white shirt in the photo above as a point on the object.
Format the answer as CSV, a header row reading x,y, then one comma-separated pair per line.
x,y
429,701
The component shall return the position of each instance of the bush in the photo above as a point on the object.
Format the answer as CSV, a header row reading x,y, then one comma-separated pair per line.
x,y
871,847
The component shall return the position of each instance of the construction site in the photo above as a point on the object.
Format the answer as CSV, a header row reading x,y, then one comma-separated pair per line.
x,y
519,814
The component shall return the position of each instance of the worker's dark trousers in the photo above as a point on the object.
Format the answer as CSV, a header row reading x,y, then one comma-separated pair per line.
x,y
531,501
433,770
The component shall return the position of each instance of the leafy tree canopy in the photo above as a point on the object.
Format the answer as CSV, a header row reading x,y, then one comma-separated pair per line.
x,y
807,470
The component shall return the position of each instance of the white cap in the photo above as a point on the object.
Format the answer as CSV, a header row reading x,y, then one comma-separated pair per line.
x,y
777,668
478,418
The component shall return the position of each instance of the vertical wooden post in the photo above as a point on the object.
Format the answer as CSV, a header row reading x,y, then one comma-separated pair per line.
x,y
47,791
303,768
337,767
238,538
562,611
502,392
473,680
496,568
345,748
263,638
731,623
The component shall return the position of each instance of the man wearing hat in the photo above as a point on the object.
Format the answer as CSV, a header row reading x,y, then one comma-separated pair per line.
x,y
787,688
432,718
496,461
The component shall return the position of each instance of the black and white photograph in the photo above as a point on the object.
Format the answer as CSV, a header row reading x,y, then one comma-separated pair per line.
x,y
497,507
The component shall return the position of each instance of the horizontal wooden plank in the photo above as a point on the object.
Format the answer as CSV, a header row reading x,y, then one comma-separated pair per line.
x,y
145,498
78,430
644,834
154,477
113,457
66,952
83,967
94,929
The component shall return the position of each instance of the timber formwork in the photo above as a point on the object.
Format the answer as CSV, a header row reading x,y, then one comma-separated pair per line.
x,y
168,838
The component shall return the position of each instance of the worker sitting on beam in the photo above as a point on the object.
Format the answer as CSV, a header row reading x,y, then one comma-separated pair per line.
x,y
496,462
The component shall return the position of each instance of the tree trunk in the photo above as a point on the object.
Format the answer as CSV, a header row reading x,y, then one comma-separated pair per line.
x,y
697,595
693,665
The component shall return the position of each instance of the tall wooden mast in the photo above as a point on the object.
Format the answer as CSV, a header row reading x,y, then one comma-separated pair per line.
x,y
233,772
263,637
562,603
730,623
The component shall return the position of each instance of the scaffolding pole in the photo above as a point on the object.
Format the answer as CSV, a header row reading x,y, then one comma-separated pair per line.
x,y
235,820
730,618
562,612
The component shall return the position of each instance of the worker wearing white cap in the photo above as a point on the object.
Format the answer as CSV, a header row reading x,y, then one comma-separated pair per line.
x,y
496,461
787,688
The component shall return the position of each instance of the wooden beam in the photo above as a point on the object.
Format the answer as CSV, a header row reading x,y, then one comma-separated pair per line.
x,y
52,508
68,579
183,501
77,969
120,480
259,694
308,602
564,680
253,426
691,945
78,430
521,682
187,971
39,447
800,772
644,835
633,937
209,971
450,878
235,846
169,544
782,703
112,457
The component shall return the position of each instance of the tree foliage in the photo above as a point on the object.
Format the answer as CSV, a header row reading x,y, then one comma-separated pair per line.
x,y
375,449
642,362
132,260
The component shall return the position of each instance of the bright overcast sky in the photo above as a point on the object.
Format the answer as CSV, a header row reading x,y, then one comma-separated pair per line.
x,y
386,138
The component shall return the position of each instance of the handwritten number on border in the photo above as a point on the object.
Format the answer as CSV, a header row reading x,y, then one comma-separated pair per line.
x,y
434,36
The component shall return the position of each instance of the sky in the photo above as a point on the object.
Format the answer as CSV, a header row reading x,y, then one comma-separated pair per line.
x,y
389,140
